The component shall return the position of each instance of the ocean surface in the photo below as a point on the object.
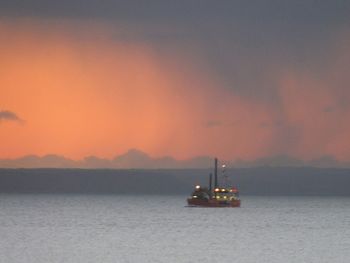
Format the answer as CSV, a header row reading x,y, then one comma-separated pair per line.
x,y
122,228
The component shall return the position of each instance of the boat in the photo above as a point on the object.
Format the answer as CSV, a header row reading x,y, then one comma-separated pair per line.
x,y
217,196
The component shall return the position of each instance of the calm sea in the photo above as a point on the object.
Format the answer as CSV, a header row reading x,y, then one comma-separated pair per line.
x,y
112,228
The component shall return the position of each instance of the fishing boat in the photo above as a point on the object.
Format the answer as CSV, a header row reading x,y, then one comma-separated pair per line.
x,y
217,196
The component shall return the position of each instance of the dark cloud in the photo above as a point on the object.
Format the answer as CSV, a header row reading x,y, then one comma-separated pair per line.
x,y
247,25
328,109
237,39
213,123
255,11
264,124
10,116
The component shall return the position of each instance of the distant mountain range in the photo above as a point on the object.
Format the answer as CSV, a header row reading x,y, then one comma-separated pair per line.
x,y
136,159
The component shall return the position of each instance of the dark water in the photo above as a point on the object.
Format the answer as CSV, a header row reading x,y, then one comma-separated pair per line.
x,y
120,228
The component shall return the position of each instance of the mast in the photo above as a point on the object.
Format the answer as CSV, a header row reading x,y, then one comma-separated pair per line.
x,y
210,181
216,173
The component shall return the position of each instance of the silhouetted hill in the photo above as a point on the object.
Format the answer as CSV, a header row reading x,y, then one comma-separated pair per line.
x,y
253,181
132,159
136,159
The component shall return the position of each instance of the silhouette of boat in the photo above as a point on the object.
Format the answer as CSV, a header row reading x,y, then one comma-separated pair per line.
x,y
217,196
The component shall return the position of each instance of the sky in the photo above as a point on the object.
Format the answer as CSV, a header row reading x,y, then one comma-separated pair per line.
x,y
233,79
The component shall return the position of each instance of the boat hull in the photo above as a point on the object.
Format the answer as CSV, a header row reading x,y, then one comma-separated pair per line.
x,y
213,203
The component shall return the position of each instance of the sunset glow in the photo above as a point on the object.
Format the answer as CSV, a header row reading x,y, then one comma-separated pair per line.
x,y
80,94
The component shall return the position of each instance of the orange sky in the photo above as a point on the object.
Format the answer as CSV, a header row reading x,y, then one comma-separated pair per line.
x,y
85,94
